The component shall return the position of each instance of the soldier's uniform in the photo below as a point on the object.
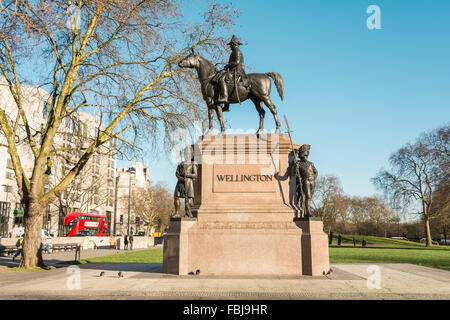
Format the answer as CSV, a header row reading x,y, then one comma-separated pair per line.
x,y
186,173
307,175
234,68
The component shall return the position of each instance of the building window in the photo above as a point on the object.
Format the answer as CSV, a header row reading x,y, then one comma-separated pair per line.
x,y
66,122
84,128
138,220
111,173
121,218
9,164
45,109
9,175
111,193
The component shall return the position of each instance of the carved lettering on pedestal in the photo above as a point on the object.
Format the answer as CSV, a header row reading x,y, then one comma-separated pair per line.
x,y
244,178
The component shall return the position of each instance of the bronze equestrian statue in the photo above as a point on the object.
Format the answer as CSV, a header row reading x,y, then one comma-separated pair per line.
x,y
306,179
232,85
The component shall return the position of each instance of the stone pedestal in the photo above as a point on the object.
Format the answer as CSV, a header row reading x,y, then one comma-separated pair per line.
x,y
176,249
244,215
315,255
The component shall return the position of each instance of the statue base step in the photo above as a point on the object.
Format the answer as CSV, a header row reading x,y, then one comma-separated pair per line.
x,y
233,248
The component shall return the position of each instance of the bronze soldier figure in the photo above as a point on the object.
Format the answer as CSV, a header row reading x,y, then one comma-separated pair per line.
x,y
233,71
186,173
306,179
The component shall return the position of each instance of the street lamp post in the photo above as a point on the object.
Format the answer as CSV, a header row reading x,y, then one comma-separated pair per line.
x,y
131,170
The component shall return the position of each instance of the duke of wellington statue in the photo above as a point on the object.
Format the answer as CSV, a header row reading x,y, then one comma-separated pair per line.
x,y
244,217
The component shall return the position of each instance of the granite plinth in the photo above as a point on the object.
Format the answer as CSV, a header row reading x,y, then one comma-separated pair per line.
x,y
243,205
315,254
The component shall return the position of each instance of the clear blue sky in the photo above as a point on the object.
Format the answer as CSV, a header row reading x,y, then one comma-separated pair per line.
x,y
356,95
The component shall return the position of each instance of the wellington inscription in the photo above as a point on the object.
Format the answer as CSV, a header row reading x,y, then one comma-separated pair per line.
x,y
240,178
244,177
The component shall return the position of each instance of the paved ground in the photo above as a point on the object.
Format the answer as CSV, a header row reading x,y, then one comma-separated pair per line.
x,y
146,281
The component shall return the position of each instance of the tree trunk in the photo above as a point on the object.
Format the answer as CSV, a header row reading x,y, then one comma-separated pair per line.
x,y
31,252
428,232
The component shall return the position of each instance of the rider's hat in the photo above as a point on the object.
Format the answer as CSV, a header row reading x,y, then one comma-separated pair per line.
x,y
235,40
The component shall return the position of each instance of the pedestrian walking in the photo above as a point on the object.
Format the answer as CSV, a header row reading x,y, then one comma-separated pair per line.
x,y
339,240
47,246
364,243
131,242
19,245
125,241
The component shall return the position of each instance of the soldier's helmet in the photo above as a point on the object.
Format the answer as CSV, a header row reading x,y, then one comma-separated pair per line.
x,y
304,148
235,40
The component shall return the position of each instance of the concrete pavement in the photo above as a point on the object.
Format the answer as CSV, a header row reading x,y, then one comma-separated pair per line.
x,y
145,281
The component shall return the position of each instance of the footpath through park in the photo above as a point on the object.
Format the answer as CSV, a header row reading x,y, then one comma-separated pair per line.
x,y
146,281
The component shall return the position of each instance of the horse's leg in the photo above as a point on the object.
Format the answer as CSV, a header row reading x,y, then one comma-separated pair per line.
x,y
268,102
261,112
210,117
218,108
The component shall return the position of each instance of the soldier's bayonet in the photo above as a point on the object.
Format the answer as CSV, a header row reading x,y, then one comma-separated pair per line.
x,y
297,172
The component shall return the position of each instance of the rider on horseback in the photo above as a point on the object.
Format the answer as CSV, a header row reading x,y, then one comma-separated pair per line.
x,y
233,71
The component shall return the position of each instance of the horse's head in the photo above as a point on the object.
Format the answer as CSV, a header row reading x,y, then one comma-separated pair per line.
x,y
191,61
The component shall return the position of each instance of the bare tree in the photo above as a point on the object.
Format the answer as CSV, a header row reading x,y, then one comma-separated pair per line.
x,y
416,170
441,208
153,206
114,59
341,206
327,190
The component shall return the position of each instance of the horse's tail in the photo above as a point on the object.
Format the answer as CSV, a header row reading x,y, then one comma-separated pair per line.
x,y
278,82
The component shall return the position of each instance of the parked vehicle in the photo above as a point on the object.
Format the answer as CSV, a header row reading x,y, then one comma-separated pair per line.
x,y
444,241
20,231
45,234
79,224
399,238
424,240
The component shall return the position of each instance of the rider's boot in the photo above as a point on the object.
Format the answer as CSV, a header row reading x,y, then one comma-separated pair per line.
x,y
223,96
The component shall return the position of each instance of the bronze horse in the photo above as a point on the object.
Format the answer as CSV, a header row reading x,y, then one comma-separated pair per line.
x,y
258,91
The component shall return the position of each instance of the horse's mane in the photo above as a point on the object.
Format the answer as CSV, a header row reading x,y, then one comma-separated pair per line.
x,y
209,64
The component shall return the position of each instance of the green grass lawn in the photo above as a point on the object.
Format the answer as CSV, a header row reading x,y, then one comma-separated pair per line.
x,y
371,240
387,251
435,257
141,256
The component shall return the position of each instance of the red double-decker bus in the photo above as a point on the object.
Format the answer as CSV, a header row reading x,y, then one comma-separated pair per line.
x,y
85,224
